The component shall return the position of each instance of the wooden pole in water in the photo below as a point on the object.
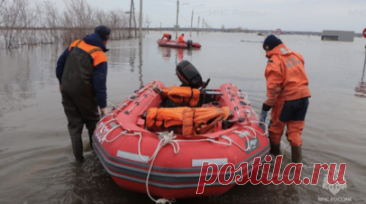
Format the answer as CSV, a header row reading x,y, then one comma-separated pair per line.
x,y
140,22
129,30
134,18
191,24
198,26
140,65
176,24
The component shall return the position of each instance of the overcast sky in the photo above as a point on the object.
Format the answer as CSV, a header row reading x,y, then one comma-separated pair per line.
x,y
297,15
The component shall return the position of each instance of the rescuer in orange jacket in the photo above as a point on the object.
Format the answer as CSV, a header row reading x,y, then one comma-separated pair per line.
x,y
180,38
167,36
287,93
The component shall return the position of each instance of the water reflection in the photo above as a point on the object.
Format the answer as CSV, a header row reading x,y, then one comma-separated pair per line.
x,y
166,52
16,79
180,54
140,65
189,52
32,114
361,87
132,59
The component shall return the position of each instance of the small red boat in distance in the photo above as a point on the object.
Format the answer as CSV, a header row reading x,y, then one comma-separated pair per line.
x,y
175,44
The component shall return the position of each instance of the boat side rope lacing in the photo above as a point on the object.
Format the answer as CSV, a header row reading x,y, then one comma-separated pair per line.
x,y
141,99
114,106
122,133
137,94
169,138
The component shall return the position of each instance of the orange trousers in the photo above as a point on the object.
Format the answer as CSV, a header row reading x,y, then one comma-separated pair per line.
x,y
291,114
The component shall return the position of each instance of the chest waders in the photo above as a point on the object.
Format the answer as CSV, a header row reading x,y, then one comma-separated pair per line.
x,y
78,98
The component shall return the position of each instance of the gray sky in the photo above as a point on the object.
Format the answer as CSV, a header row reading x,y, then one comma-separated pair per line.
x,y
297,15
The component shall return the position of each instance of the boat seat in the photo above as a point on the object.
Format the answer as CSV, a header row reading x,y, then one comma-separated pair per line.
x,y
208,96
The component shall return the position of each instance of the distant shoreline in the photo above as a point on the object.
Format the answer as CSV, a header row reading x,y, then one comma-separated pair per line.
x,y
229,30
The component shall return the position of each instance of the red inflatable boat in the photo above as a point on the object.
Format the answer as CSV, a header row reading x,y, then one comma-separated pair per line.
x,y
175,44
168,164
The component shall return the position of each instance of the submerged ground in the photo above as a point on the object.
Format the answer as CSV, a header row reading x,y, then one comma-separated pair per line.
x,y
36,161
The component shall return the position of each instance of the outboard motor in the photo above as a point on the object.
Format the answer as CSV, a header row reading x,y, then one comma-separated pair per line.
x,y
189,44
188,74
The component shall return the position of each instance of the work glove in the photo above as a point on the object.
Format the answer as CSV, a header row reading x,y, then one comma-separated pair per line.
x,y
262,119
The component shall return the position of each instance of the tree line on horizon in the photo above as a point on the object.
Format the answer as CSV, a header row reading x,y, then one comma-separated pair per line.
x,y
77,14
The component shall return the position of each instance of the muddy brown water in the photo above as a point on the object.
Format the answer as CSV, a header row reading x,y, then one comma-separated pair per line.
x,y
36,161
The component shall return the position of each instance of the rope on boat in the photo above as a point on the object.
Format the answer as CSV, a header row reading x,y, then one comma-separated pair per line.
x,y
165,138
169,138
114,106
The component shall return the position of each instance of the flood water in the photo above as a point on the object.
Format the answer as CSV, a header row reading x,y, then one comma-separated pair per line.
x,y
36,160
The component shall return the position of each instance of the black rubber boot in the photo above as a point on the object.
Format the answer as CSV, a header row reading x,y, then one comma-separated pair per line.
x,y
77,147
275,149
296,154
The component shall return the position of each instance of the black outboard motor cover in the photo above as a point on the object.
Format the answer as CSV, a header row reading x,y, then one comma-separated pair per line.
x,y
189,75
189,44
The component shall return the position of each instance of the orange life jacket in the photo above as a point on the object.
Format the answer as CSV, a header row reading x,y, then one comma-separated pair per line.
x,y
166,35
203,119
182,95
285,75
164,117
193,120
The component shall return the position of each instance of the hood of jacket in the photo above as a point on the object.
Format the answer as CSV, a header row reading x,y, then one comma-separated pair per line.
x,y
280,49
94,39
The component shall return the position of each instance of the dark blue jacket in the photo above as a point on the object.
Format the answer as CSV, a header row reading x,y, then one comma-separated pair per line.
x,y
100,71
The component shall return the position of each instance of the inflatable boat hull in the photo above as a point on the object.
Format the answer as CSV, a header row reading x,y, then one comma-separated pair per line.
x,y
126,149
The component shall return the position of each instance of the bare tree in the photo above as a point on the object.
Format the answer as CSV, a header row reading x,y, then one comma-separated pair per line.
x,y
30,16
1,19
78,15
20,17
1,11
14,16
51,20
117,20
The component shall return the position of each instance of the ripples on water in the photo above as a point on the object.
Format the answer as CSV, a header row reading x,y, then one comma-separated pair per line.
x,y
36,161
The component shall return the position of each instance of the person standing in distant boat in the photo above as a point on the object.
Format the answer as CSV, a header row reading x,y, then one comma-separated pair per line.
x,y
167,36
180,38
82,74
287,93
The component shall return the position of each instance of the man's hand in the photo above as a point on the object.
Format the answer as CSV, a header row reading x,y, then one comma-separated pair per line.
x,y
103,112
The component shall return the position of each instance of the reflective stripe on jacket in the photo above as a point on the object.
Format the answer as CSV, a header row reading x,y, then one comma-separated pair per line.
x,y
285,75
96,61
